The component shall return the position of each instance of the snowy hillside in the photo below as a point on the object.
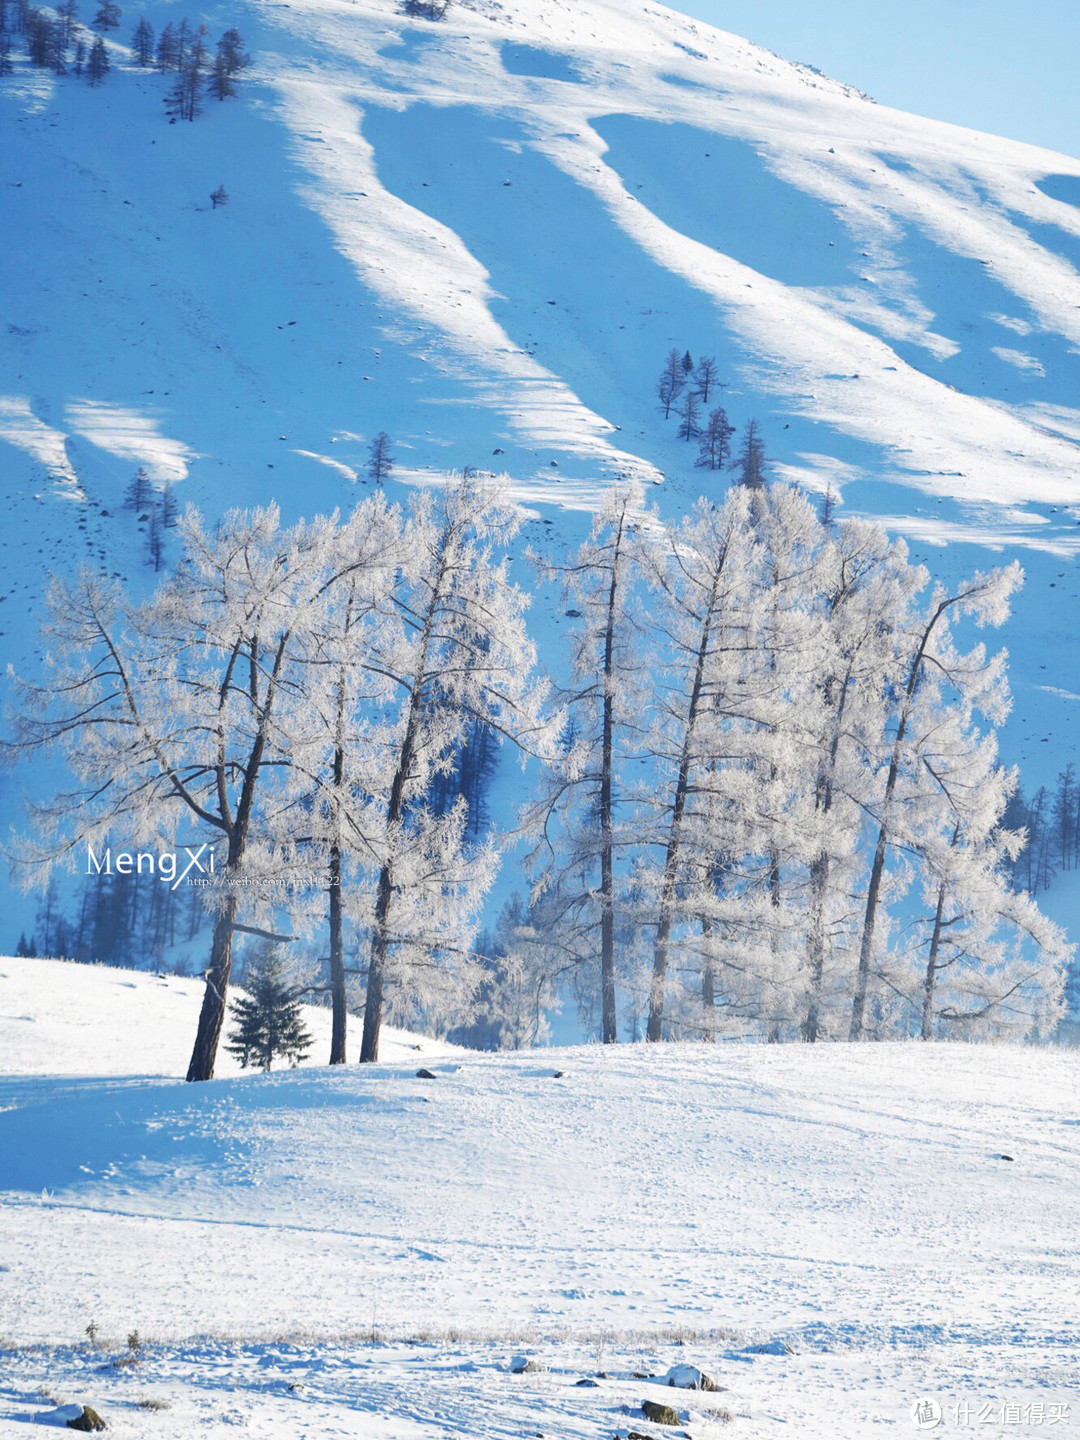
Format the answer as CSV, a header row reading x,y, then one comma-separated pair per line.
x,y
851,1203
58,1018
483,236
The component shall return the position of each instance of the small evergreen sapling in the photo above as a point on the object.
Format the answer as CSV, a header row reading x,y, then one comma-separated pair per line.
x,y
380,460
268,1020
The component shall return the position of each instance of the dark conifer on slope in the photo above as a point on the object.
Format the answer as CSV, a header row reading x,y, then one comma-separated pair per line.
x,y
750,461
142,42
97,67
268,1020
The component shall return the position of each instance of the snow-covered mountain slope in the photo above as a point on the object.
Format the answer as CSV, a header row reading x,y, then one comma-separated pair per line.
x,y
853,1201
483,235
62,1019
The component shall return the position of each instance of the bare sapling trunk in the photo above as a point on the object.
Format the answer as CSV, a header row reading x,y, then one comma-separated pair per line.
x,y
655,1027
376,977
607,882
927,1029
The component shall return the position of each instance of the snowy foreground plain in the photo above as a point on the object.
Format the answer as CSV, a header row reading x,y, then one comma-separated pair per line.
x,y
650,1206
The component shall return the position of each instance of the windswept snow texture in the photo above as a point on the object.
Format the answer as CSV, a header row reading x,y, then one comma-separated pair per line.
x,y
853,1203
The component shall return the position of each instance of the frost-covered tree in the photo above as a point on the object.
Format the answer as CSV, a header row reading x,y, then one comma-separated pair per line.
x,y
863,584
461,633
340,682
172,719
707,580
576,817
936,676
107,16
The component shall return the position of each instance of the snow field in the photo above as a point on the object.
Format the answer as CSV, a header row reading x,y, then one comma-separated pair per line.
x,y
852,1201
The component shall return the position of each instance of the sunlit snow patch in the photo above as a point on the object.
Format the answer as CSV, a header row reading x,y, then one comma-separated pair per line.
x,y
131,435
21,427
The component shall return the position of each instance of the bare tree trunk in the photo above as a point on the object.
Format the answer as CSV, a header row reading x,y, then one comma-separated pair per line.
x,y
708,985
927,1031
212,1014
654,1030
337,963
339,1014
607,882
815,946
862,978
376,977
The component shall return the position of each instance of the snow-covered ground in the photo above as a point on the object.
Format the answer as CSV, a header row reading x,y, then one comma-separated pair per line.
x,y
60,1019
648,1205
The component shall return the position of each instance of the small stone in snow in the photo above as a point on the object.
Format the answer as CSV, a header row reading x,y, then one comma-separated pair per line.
x,y
87,1419
524,1365
660,1414
423,1074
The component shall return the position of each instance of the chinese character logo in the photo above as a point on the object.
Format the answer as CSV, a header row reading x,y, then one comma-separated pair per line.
x,y
926,1414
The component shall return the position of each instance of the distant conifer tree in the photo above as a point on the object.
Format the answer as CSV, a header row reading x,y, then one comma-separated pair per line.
x,y
138,491
380,461
222,84
750,461
706,377
714,451
107,16
231,50
167,49
97,67
68,13
168,508
142,42
672,380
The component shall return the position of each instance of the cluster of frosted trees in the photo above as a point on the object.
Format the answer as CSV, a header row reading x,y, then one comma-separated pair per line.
x,y
761,804
291,696
778,806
